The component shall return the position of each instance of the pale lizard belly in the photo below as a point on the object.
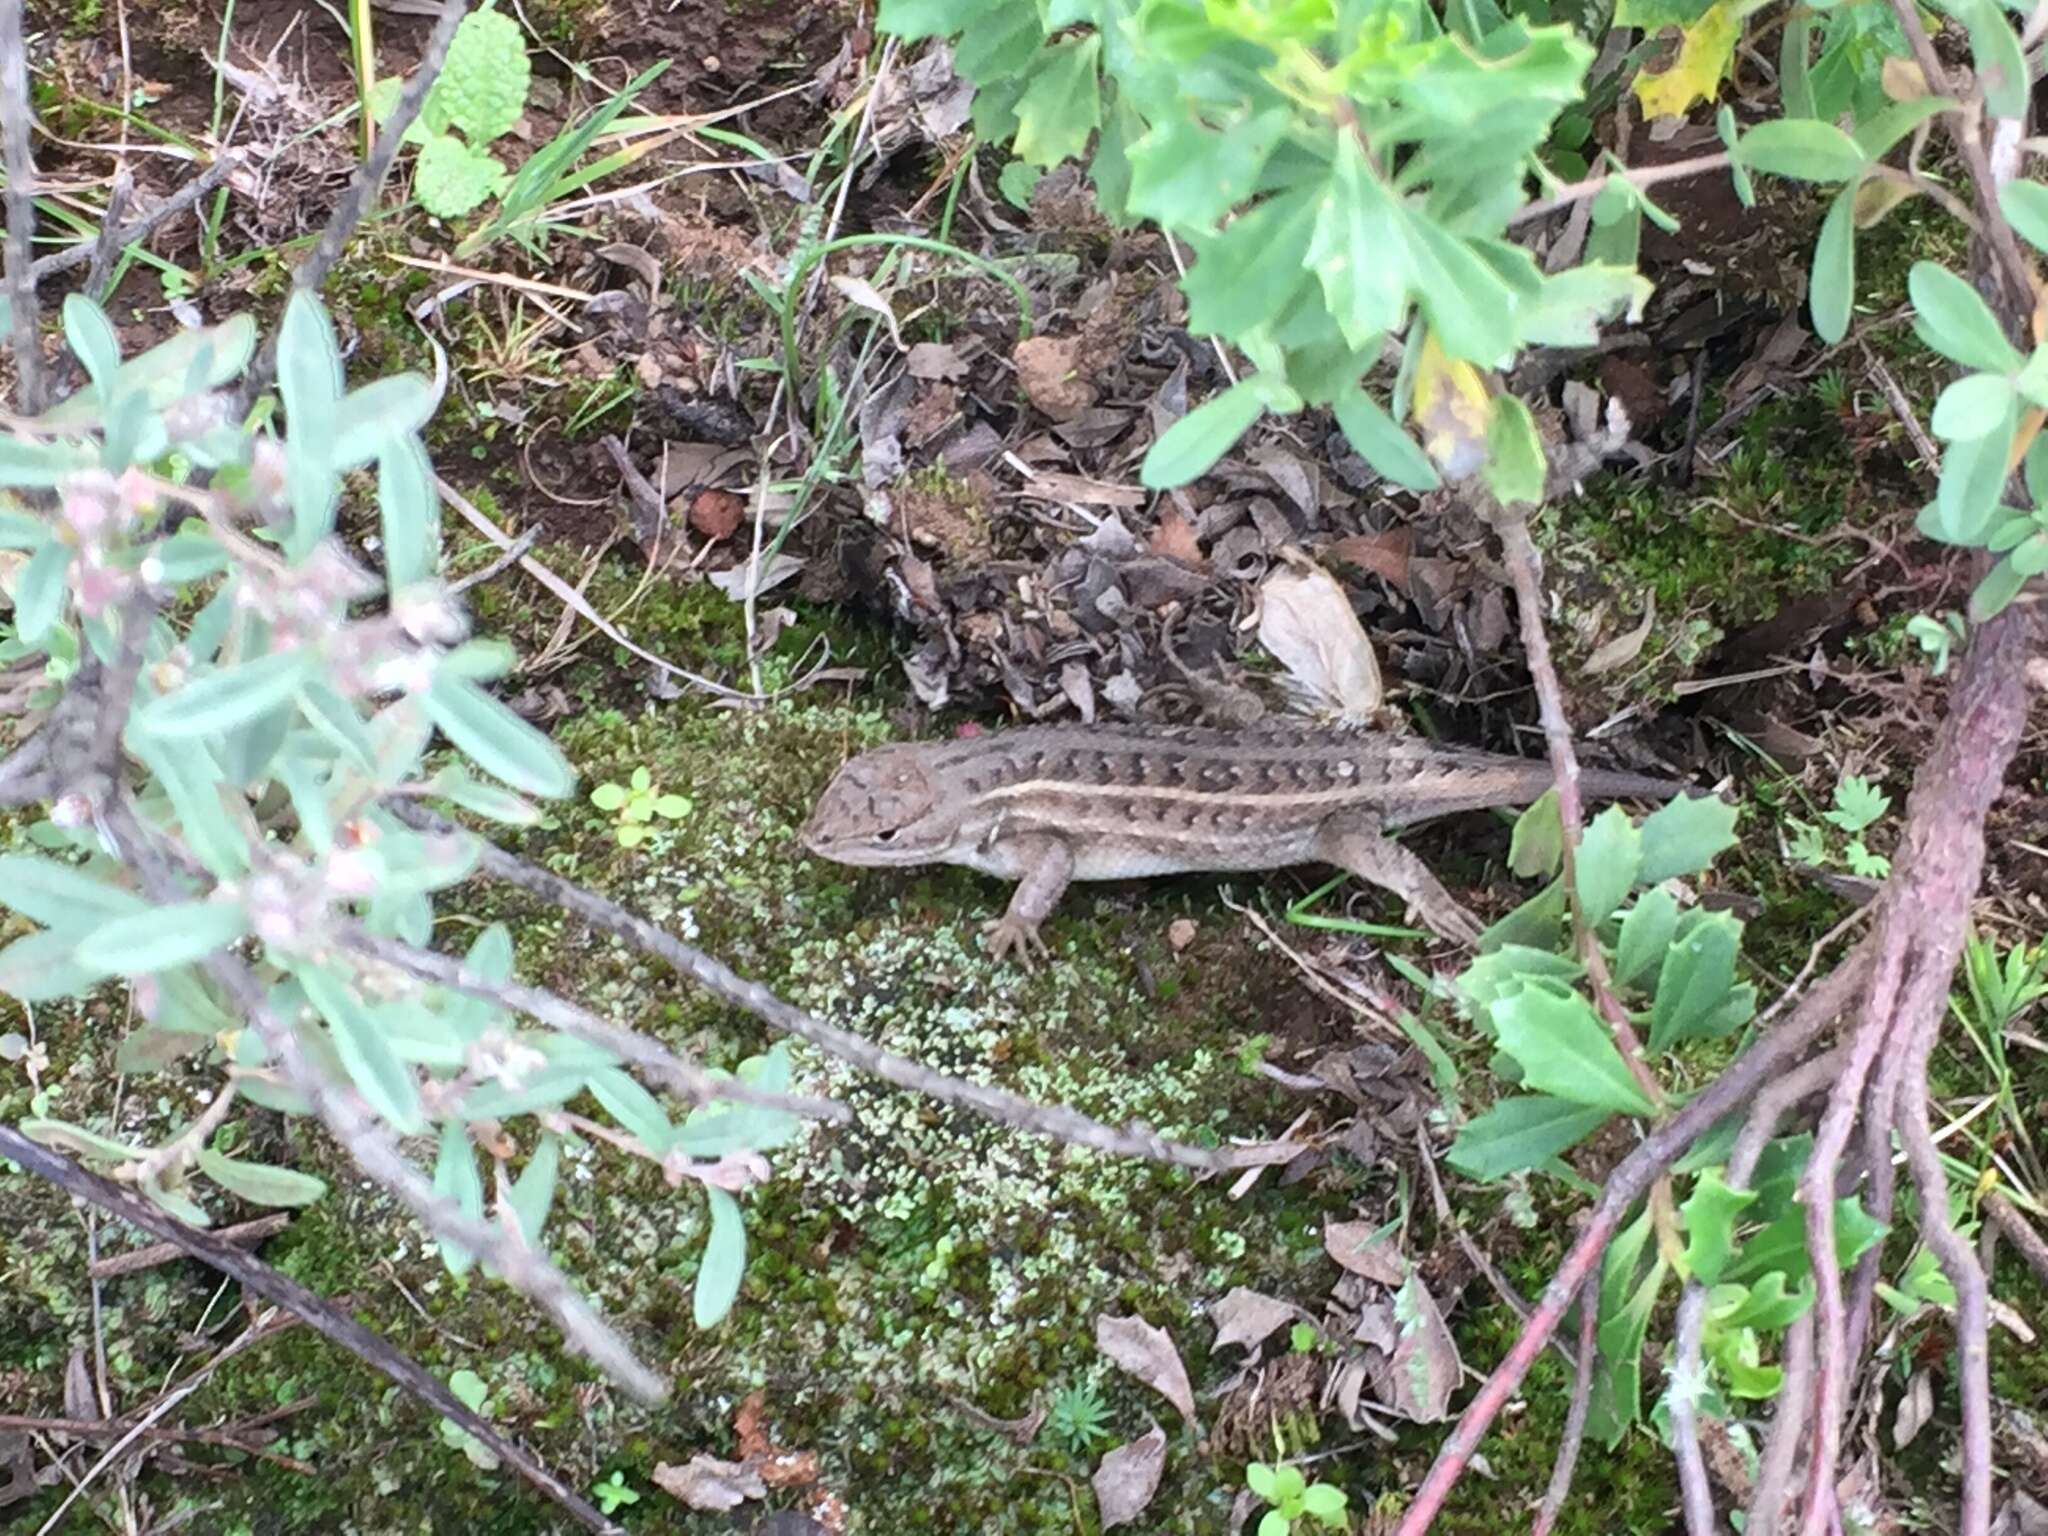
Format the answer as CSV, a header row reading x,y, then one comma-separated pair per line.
x,y
1110,857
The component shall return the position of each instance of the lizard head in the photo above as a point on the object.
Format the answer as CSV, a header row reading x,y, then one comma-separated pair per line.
x,y
880,809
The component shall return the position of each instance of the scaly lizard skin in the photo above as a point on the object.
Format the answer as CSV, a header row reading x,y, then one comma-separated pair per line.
x,y
1048,805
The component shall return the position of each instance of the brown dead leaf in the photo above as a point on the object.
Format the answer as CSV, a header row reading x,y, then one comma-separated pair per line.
x,y
1249,1318
1053,485
1048,370
1381,554
705,1482
1623,649
1175,538
938,361
1146,1353
1306,621
1365,1248
1128,1477
1425,1369
716,514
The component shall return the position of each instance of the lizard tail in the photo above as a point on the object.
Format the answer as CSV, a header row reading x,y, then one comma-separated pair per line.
x,y
1604,784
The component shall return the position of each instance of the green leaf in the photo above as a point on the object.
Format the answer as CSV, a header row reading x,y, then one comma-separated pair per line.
x,y
1576,302
1995,51
533,1192
1515,463
1062,105
1858,803
1831,292
155,940
90,335
1950,317
2025,206
1683,836
1781,1246
1379,440
26,463
1324,1502
225,697
192,781
1519,1133
1646,935
1802,148
78,1141
21,530
1767,1304
1186,175
456,1179
2001,584
1697,998
382,1079
1194,443
1616,1402
259,1183
1710,1213
1536,848
1248,272
1973,475
501,743
410,514
483,84
1259,1478
62,896
725,1260
457,787
40,591
376,421
452,179
1971,406
1470,307
638,1112
1274,1523
914,19
1359,250
1563,1049
1610,854
309,375
189,363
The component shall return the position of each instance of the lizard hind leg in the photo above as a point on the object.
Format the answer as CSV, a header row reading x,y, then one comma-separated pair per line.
x,y
1355,844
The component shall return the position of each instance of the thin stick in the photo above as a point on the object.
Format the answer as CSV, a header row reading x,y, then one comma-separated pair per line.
x,y
259,1278
1055,1121
1575,1416
1788,1428
1632,1177
2006,1217
180,201
1638,177
21,210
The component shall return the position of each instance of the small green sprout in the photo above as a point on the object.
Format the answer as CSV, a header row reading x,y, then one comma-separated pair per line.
x,y
1080,1418
636,804
1293,1497
614,1492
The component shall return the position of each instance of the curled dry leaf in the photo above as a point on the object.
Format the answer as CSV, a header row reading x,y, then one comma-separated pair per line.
x,y
1142,1351
1623,649
705,1482
1306,621
1128,1477
936,361
1365,1248
1425,1369
1175,539
1381,554
1452,409
1249,1318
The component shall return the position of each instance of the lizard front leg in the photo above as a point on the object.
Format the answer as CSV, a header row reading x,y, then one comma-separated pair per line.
x,y
1353,841
1048,864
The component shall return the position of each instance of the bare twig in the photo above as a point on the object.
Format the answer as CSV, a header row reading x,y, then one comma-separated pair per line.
x,y
262,1280
2006,1217
1567,1461
1788,1428
686,1077
183,200
106,246
244,1234
1630,1180
1638,177
21,209
1055,1121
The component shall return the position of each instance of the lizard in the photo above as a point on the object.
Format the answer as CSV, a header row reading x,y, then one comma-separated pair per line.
x,y
1048,805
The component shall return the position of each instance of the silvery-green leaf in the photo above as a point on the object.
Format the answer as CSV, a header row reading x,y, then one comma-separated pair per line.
x,y
189,554
382,1079
459,788
186,364
410,513
378,418
156,940
192,781
638,1112
90,335
500,743
336,719
76,1139
259,1183
225,697
40,590
22,530
456,1179
62,896
309,377
725,1260
28,463
314,491
533,1192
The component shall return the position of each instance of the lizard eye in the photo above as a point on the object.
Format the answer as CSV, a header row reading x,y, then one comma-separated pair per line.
x,y
886,835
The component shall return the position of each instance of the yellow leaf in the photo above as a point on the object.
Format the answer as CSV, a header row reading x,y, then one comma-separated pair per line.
x,y
1451,409
1705,50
